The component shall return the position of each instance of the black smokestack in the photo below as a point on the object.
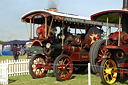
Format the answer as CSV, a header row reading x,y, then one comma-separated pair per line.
x,y
125,23
125,4
125,17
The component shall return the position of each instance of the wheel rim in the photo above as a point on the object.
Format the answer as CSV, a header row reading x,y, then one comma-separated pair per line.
x,y
109,71
39,67
64,68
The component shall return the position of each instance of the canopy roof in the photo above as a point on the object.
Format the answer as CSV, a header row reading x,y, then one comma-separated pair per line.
x,y
37,16
17,42
113,15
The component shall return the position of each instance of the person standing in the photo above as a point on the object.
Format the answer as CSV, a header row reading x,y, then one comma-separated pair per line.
x,y
18,51
14,50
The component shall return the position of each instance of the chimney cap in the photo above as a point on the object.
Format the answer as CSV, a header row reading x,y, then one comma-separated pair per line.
x,y
53,9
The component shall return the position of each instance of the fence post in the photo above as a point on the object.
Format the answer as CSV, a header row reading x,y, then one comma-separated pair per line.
x,y
4,72
7,71
89,74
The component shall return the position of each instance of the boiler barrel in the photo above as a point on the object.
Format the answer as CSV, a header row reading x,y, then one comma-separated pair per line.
x,y
70,49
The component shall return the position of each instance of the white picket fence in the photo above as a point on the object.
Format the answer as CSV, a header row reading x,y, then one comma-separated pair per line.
x,y
13,68
3,74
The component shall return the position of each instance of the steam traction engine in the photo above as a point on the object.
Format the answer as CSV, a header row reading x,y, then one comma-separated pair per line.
x,y
62,50
112,58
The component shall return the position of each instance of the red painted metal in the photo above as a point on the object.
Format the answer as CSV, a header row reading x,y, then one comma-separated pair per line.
x,y
70,49
96,15
65,68
37,43
121,72
125,64
84,56
75,56
112,47
40,31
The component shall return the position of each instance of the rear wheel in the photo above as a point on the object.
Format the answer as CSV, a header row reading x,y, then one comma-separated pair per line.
x,y
97,52
91,56
108,71
37,66
63,67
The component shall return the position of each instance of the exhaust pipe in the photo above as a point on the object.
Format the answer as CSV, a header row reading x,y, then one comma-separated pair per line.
x,y
125,5
125,17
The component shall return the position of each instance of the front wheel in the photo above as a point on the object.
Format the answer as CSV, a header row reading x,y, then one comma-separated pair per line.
x,y
108,71
63,67
37,66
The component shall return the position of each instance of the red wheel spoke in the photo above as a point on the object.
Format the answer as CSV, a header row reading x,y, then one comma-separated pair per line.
x,y
67,64
100,55
37,61
34,64
42,61
64,60
68,68
43,66
62,73
99,60
39,71
67,72
102,51
58,70
59,67
35,68
106,50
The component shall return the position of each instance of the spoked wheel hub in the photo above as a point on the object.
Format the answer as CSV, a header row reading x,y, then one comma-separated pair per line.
x,y
62,67
39,66
108,71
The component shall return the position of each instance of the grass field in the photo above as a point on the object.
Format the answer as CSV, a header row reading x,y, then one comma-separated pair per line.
x,y
76,79
10,57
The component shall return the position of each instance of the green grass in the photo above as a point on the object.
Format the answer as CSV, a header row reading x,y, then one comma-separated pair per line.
x,y
10,57
76,79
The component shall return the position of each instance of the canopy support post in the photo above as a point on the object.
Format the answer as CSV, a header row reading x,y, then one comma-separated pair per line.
x,y
50,27
27,29
30,28
119,31
33,29
45,27
62,34
75,29
107,31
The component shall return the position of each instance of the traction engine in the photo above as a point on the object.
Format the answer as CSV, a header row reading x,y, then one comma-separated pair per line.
x,y
111,60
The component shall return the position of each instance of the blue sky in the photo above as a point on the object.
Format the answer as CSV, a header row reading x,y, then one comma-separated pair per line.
x,y
12,28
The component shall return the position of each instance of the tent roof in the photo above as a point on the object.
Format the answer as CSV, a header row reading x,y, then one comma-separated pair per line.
x,y
17,42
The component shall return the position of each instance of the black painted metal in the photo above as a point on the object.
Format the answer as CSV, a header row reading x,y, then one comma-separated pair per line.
x,y
125,4
125,23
